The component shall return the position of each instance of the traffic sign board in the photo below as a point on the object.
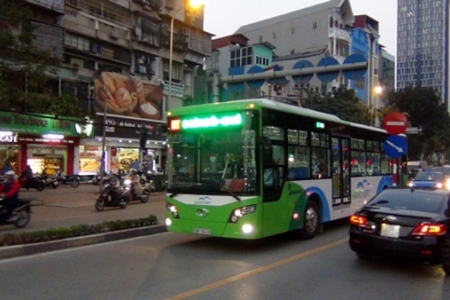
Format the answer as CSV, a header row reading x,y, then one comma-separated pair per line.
x,y
395,146
395,123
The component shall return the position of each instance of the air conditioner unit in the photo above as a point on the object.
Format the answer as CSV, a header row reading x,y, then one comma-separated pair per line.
x,y
184,31
137,31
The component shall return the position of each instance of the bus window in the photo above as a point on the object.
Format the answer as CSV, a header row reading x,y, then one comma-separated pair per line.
x,y
358,163
298,162
320,162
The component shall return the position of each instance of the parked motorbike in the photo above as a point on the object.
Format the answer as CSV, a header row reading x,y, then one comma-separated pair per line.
x,y
37,183
114,195
20,216
97,178
50,182
72,180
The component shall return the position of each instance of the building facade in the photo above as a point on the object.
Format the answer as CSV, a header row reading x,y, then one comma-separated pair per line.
x,y
423,45
115,59
306,30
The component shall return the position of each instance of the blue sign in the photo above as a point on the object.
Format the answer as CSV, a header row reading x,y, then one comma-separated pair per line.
x,y
395,146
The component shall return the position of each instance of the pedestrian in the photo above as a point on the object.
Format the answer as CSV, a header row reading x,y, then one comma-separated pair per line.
x,y
6,167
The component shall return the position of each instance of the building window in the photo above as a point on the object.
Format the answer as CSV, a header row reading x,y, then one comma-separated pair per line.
x,y
176,71
293,30
262,61
241,57
314,25
76,41
274,35
260,39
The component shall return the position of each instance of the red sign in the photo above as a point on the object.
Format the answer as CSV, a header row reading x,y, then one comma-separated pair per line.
x,y
395,123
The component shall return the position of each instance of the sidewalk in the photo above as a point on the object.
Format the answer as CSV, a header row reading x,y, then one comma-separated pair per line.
x,y
67,206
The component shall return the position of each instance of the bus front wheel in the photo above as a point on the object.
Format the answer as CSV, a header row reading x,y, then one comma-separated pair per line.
x,y
311,221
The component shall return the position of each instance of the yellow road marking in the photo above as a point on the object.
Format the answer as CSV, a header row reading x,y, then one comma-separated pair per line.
x,y
244,275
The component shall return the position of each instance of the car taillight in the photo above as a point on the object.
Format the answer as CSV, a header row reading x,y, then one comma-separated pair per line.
x,y
359,221
430,229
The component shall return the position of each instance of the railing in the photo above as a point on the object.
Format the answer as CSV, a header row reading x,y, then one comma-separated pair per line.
x,y
102,9
55,5
339,33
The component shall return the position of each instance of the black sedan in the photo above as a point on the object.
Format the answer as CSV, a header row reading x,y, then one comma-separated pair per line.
x,y
404,223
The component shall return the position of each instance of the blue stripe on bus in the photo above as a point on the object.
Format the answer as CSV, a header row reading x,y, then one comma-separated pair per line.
x,y
323,199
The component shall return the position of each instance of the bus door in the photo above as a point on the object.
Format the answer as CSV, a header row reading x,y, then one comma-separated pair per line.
x,y
340,159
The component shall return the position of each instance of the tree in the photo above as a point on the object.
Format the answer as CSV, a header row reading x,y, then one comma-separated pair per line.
x,y
25,85
423,108
343,103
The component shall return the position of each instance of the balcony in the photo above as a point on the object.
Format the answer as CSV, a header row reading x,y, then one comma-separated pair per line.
x,y
340,34
52,5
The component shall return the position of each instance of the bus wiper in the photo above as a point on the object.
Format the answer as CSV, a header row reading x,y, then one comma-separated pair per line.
x,y
232,194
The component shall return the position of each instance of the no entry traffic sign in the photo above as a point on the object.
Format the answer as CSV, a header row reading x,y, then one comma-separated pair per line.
x,y
395,123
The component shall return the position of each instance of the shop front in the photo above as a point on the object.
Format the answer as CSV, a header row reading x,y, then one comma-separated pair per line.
x,y
45,143
122,147
137,104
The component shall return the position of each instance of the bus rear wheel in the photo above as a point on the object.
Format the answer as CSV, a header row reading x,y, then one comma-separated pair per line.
x,y
311,221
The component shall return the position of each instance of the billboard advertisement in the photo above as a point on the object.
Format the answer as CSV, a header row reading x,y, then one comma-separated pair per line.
x,y
127,96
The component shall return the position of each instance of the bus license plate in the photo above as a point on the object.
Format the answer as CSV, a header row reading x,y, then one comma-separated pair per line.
x,y
390,230
202,231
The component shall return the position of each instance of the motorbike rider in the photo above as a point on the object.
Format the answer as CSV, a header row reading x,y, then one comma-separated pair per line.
x,y
9,192
136,183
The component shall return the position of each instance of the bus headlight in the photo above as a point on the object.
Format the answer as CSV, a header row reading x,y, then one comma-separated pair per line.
x,y
240,212
247,228
173,210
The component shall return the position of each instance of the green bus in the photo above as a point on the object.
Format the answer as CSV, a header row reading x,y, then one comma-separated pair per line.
x,y
254,168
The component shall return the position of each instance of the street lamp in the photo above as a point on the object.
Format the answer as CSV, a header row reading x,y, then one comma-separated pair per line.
x,y
378,90
192,4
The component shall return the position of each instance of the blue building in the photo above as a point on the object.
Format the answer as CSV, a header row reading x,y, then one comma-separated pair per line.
x,y
422,44
360,45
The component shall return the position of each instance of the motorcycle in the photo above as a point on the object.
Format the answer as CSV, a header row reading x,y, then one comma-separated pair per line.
x,y
20,215
52,182
114,195
97,178
72,180
37,183
147,188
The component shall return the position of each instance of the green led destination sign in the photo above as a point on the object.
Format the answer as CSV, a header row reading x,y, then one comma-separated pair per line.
x,y
212,122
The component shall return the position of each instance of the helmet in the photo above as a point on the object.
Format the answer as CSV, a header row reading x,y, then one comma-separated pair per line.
x,y
10,173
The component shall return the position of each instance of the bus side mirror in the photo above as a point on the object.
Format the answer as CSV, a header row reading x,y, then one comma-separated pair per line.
x,y
267,150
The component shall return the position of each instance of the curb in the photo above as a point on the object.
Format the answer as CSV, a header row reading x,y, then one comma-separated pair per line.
x,y
31,249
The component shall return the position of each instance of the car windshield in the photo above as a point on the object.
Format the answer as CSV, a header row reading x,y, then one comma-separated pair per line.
x,y
409,200
426,176
445,170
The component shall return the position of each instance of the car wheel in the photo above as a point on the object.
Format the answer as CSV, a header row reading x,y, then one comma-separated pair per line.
x,y
311,221
123,204
363,255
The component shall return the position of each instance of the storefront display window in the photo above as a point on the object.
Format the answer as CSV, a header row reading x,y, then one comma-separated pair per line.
x,y
48,159
126,157
90,159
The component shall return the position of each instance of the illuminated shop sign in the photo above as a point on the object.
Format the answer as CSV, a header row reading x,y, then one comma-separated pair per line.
x,y
8,138
208,122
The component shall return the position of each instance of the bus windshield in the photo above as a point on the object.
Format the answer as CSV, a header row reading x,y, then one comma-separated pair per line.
x,y
218,162
214,156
